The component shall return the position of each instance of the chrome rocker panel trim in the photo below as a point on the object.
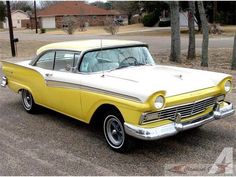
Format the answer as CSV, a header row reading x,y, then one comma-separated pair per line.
x,y
177,126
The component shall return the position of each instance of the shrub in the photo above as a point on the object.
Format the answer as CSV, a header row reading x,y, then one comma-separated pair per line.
x,y
69,24
42,30
215,28
111,26
151,19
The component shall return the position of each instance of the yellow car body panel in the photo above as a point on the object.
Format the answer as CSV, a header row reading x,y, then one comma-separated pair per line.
x,y
68,100
20,77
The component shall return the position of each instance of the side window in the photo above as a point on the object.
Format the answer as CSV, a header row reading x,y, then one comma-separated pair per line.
x,y
65,60
46,61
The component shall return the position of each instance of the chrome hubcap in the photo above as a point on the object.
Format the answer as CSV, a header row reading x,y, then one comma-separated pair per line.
x,y
114,131
27,99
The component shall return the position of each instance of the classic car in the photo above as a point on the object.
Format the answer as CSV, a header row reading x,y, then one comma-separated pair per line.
x,y
117,83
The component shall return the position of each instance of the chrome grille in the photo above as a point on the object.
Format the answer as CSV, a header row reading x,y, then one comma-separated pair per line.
x,y
185,110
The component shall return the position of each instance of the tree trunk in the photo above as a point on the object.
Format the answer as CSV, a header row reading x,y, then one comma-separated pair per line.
x,y
191,27
175,32
197,15
233,66
205,31
129,18
214,11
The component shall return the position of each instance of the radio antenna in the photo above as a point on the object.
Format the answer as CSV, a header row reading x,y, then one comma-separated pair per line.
x,y
102,60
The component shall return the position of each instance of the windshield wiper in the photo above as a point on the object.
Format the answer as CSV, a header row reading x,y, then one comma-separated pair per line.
x,y
137,64
142,64
120,67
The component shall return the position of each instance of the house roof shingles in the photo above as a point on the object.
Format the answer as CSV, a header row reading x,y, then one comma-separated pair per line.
x,y
72,8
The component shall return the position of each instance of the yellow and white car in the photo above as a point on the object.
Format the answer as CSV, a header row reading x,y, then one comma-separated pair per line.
x,y
118,84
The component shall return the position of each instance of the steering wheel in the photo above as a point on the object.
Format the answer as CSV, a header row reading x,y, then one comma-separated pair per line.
x,y
129,61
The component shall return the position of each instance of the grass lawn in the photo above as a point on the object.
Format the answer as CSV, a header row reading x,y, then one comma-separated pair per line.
x,y
98,30
227,31
219,59
26,49
134,30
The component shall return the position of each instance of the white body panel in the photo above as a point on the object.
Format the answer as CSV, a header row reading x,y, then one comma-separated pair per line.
x,y
141,81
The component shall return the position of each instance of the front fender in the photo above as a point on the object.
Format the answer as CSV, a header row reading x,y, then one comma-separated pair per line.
x,y
130,110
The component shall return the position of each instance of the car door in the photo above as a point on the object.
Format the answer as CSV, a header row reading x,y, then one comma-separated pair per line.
x,y
62,90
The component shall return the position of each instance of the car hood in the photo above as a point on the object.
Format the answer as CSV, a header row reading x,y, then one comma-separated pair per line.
x,y
143,81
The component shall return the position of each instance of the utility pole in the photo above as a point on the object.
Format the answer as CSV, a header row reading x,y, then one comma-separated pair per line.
x,y
13,51
35,17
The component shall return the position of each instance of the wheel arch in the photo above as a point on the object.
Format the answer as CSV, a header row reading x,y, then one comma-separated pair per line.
x,y
19,91
101,110
25,88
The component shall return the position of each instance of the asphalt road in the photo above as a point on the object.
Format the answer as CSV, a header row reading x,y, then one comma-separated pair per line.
x,y
156,43
49,143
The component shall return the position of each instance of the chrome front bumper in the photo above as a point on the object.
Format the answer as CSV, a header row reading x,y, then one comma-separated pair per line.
x,y
176,126
4,81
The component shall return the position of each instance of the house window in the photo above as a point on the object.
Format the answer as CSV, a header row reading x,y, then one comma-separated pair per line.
x,y
18,21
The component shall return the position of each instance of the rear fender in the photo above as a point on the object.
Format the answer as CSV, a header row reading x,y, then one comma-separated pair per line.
x,y
21,77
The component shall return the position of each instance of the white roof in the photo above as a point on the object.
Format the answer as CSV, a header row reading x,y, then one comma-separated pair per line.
x,y
85,45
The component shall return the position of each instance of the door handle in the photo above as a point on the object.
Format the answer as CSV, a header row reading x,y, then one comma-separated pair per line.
x,y
48,75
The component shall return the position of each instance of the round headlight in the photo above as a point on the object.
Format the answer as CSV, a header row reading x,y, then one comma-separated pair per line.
x,y
159,102
228,86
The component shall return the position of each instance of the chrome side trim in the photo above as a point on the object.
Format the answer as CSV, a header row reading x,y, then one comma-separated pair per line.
x,y
176,126
52,83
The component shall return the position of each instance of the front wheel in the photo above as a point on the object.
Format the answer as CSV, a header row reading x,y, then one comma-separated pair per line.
x,y
28,101
114,133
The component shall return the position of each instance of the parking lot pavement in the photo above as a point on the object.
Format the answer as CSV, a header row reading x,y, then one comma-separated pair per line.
x,y
49,143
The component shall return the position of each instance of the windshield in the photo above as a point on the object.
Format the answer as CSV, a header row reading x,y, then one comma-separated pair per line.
x,y
111,59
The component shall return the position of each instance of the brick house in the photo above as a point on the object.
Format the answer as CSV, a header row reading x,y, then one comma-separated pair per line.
x,y
51,17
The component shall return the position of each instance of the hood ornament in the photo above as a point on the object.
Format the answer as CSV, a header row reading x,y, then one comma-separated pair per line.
x,y
180,76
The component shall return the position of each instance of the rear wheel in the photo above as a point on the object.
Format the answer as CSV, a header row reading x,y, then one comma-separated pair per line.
x,y
113,129
28,101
